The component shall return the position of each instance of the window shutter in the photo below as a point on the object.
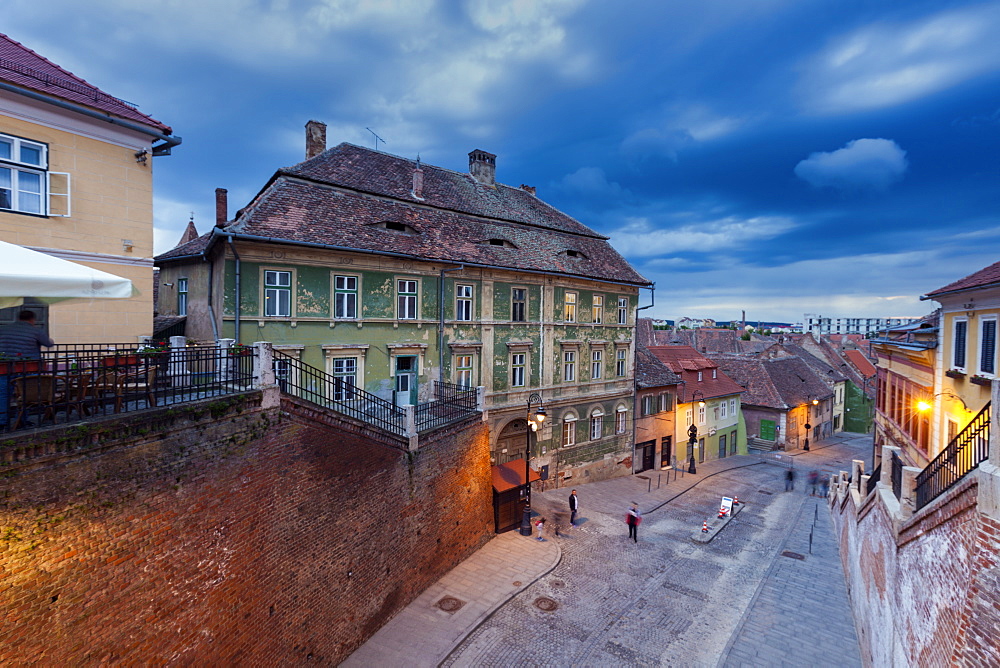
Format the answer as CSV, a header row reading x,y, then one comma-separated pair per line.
x,y
960,328
989,344
59,194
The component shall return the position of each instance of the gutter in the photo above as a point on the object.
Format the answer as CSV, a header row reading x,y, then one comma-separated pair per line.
x,y
441,320
211,309
169,141
236,307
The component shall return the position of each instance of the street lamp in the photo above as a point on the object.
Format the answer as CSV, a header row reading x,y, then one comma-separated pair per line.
x,y
814,402
693,432
531,426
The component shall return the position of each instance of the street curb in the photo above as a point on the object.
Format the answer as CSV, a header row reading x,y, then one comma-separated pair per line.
x,y
715,526
684,491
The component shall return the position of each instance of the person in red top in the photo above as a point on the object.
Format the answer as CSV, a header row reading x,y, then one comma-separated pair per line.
x,y
633,519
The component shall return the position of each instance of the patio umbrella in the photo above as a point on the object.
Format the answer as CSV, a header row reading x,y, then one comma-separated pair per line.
x,y
28,273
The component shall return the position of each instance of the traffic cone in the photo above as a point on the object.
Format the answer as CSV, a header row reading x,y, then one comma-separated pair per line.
x,y
722,512
736,500
704,526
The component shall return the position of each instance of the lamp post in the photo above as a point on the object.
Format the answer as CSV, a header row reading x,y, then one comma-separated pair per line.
x,y
540,414
814,402
693,432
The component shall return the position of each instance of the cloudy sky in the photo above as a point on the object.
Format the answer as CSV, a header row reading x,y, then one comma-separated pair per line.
x,y
779,156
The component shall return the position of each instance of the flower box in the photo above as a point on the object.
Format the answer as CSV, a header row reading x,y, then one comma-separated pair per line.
x,y
981,380
955,373
17,366
120,360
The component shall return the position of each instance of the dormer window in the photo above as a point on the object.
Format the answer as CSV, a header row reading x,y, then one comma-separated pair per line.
x,y
573,253
393,226
502,243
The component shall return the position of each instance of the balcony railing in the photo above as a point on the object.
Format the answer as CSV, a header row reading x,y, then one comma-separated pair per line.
x,y
965,452
896,475
454,403
71,383
873,480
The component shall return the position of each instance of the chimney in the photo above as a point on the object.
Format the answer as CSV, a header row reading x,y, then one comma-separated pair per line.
x,y
483,167
315,138
418,181
528,189
221,207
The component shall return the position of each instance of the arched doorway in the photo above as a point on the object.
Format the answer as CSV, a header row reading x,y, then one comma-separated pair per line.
x,y
510,443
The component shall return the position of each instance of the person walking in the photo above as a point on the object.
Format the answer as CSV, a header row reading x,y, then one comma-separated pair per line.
x,y
789,479
825,484
574,504
813,482
540,525
22,339
633,518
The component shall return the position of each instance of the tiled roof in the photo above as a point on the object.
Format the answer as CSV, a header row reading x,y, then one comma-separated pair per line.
x,y
820,365
193,247
455,222
651,372
190,233
988,276
686,362
22,67
860,362
775,383
750,373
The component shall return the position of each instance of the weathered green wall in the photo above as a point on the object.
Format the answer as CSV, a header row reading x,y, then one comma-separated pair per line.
x,y
858,410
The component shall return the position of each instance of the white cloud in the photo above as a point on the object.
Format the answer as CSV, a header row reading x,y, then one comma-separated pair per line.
x,y
591,182
678,128
639,238
861,164
885,64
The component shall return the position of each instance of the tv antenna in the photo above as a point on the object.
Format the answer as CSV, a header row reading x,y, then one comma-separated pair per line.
x,y
377,138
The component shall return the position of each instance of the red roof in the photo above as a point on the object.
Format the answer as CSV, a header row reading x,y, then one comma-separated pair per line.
x,y
686,362
859,360
511,475
24,68
988,276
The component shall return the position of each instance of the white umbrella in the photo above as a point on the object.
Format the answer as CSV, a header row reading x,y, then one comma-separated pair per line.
x,y
28,273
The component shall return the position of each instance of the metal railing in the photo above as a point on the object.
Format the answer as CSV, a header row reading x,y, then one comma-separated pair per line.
x,y
896,475
301,380
71,383
454,402
873,480
963,454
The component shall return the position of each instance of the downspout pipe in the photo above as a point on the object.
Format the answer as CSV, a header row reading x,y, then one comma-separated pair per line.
x,y
441,320
211,309
236,333
652,295
169,141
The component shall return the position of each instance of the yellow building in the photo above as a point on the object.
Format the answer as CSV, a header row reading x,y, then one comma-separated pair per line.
x,y
76,182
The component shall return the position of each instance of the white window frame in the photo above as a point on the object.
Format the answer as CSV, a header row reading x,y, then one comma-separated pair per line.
x,y
407,300
518,367
732,407
701,376
688,418
274,289
597,310
15,167
596,425
983,342
623,310
723,410
182,296
346,309
463,302
345,377
621,420
965,344
464,364
596,364
568,431
621,362
569,366
648,405
518,306
569,306
701,416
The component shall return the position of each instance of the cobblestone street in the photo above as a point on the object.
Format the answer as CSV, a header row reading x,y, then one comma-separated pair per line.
x,y
668,601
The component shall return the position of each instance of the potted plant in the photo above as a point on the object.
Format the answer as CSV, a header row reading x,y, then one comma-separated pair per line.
x,y
955,373
17,364
153,349
121,358
980,380
240,350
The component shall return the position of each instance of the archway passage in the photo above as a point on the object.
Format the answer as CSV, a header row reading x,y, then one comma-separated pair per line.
x,y
510,443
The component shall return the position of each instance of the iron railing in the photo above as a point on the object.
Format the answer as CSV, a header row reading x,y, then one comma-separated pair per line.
x,y
873,480
301,380
70,383
963,454
896,474
454,402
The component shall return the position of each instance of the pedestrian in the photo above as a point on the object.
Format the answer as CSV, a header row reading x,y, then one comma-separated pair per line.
x,y
789,479
633,519
540,525
22,339
813,482
574,503
825,484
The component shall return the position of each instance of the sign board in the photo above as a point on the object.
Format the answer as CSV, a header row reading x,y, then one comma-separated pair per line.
x,y
727,505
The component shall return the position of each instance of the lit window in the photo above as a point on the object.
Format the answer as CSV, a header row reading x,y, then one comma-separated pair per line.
x,y
596,362
345,299
623,310
569,307
517,369
569,366
517,304
620,362
463,302
569,431
345,378
278,294
406,300
596,425
182,296
598,309
463,370
620,421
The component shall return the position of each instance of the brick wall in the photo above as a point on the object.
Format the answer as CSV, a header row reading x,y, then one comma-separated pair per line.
x,y
240,536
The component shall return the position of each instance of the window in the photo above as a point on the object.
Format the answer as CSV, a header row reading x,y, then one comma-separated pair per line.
x,y
182,296
988,346
517,302
345,297
463,302
463,370
278,294
732,443
701,415
715,374
958,348
282,373
596,425
596,362
723,409
569,431
623,310
688,420
569,307
648,404
732,407
569,366
620,420
345,378
700,376
517,370
406,300
666,402
598,309
26,185
620,362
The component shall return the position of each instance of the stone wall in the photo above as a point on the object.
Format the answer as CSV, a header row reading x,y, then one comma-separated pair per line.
x,y
229,533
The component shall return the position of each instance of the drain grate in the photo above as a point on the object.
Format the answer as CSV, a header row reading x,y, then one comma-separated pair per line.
x,y
545,604
793,555
449,604
765,492
559,584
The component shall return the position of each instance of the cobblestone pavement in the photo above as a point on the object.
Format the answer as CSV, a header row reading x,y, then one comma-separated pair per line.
x,y
667,601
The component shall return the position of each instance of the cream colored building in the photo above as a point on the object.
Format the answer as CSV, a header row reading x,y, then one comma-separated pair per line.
x,y
76,182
